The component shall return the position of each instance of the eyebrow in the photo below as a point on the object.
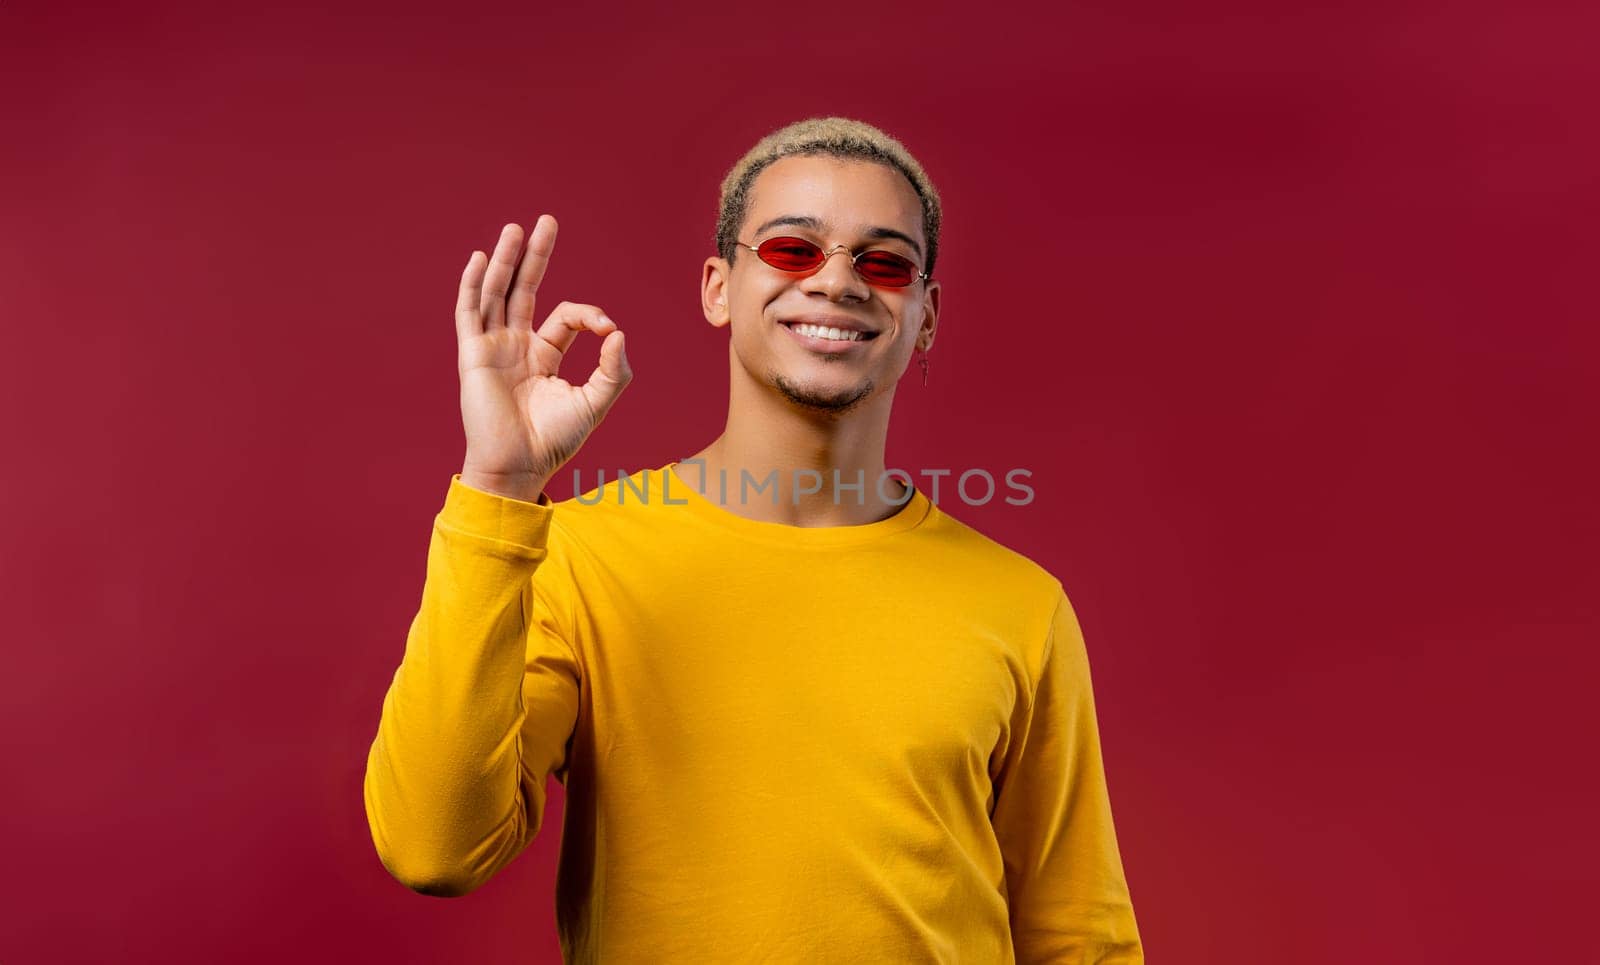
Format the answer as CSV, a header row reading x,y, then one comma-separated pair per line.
x,y
815,224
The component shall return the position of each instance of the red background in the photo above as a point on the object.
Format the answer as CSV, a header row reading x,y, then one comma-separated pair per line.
x,y
1289,311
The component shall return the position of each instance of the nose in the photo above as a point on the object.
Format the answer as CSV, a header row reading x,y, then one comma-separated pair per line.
x,y
837,278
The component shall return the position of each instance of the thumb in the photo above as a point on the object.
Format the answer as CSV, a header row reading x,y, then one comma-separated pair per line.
x,y
611,376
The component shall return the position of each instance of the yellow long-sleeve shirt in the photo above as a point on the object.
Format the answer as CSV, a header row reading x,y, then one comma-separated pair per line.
x,y
779,743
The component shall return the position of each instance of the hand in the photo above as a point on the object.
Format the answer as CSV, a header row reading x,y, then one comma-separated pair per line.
x,y
523,422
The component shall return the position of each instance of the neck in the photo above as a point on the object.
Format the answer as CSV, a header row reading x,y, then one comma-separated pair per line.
x,y
769,436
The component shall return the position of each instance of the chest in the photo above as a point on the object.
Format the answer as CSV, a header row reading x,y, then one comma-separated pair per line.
x,y
728,673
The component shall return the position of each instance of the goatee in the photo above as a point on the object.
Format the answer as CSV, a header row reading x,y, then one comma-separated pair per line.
x,y
840,400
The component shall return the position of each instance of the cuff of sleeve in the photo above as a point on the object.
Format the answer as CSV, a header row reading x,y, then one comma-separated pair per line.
x,y
496,517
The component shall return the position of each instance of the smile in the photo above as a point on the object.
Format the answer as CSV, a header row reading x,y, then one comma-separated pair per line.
x,y
828,334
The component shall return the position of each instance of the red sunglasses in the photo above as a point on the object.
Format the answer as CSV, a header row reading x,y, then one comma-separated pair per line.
x,y
801,257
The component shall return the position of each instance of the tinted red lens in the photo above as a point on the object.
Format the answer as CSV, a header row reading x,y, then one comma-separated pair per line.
x,y
790,254
799,255
886,268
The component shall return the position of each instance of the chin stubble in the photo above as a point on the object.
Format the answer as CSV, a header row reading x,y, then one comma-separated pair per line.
x,y
841,401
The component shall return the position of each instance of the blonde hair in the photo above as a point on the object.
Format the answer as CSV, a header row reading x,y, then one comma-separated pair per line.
x,y
838,137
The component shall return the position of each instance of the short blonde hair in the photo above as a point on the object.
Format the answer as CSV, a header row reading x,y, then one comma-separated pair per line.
x,y
838,137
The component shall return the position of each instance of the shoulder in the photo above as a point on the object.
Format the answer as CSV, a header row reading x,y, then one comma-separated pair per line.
x,y
604,517
592,535
1000,568
1027,599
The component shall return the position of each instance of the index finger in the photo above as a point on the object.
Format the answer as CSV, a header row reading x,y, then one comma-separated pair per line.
x,y
524,288
570,318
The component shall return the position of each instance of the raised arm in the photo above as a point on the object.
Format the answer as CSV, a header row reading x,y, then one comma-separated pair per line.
x,y
480,710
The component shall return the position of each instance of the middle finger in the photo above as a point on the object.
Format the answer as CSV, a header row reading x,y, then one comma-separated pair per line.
x,y
525,287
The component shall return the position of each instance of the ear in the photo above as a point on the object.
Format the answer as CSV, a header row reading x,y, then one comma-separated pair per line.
x,y
930,315
714,291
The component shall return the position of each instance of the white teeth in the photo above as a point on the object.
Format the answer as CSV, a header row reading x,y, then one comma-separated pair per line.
x,y
834,334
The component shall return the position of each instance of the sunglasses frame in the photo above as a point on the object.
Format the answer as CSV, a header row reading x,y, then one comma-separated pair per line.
x,y
828,253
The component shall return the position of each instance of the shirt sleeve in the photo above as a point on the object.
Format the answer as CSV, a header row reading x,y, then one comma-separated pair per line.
x,y
1067,894
482,706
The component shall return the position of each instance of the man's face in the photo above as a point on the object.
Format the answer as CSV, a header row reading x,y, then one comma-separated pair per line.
x,y
830,202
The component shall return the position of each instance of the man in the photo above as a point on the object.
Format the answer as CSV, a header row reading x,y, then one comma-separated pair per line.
x,y
819,723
